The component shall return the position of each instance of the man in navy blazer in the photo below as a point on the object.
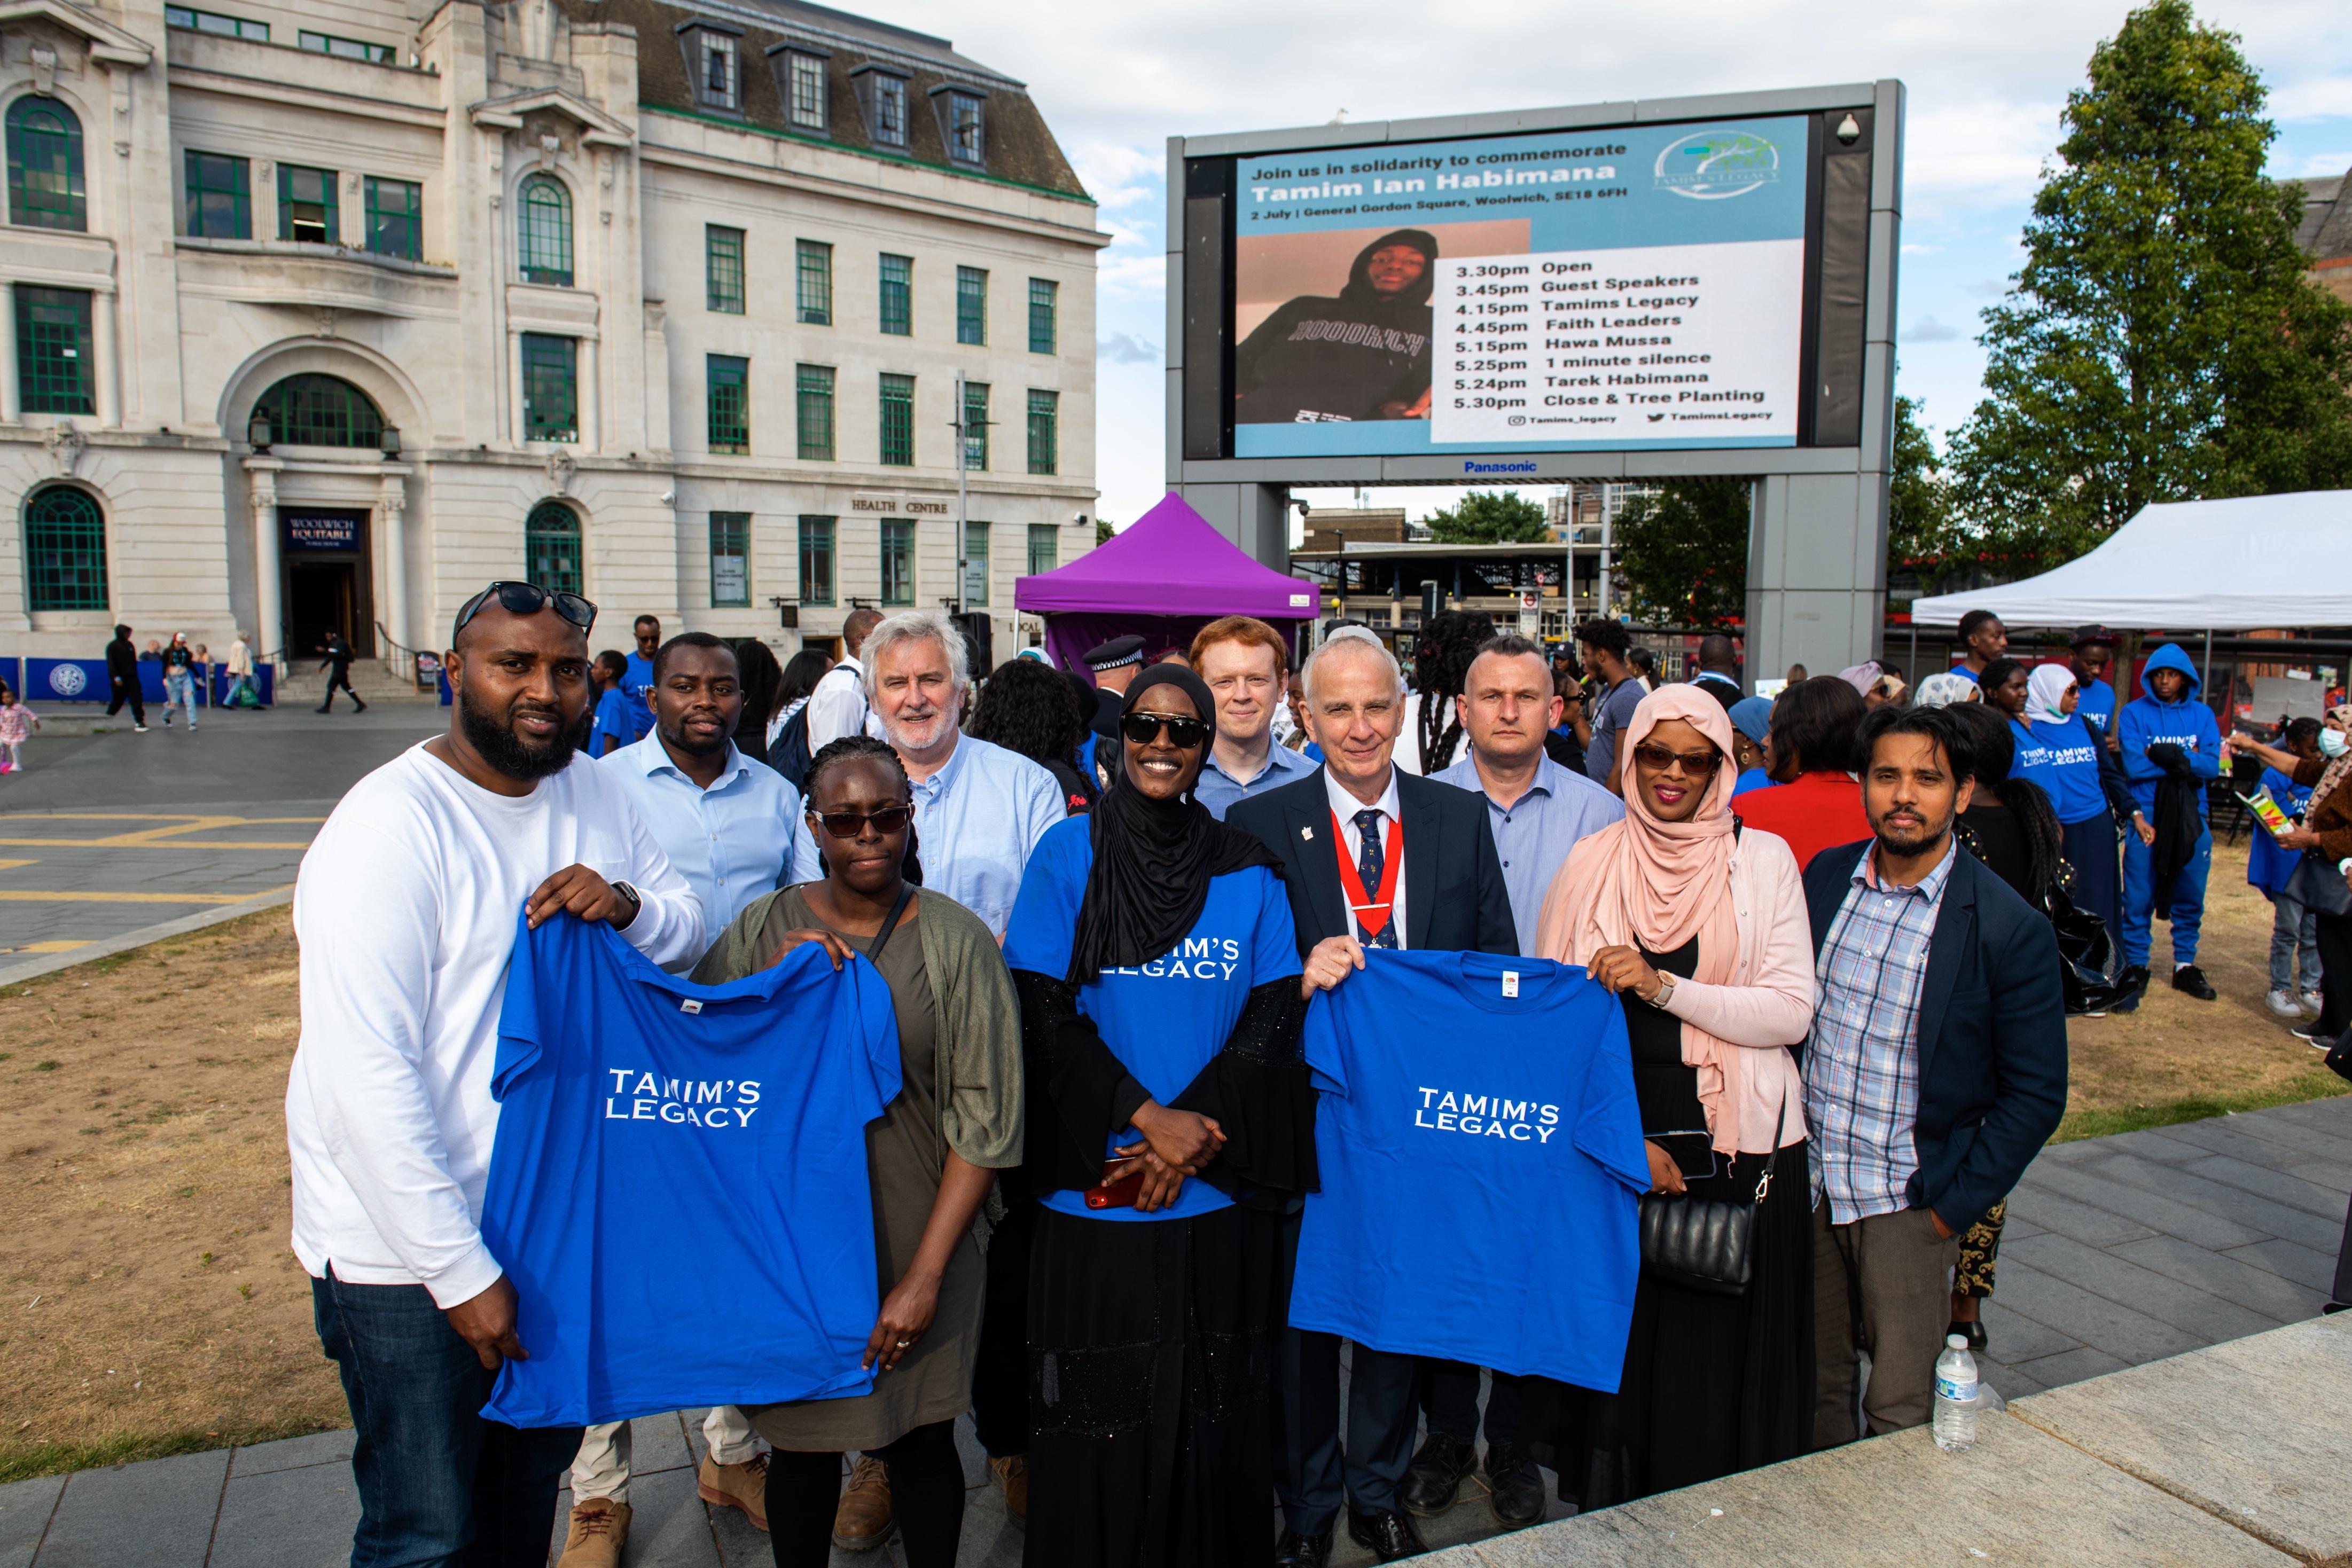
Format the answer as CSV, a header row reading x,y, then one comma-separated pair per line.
x,y
1935,1071
1373,856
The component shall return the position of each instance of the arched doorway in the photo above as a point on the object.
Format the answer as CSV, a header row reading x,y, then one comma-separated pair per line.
x,y
326,549
550,548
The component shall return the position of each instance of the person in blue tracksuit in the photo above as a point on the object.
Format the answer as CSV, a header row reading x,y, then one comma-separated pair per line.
x,y
2167,715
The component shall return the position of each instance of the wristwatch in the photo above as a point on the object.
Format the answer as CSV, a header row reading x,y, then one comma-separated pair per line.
x,y
635,903
1665,993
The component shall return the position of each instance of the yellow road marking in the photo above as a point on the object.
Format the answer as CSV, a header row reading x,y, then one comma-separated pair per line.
x,y
139,842
29,895
12,866
136,817
49,947
169,836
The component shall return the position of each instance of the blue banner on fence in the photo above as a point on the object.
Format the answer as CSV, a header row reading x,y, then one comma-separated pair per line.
x,y
86,680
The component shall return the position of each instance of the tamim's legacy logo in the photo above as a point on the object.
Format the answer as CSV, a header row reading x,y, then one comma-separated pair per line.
x,y
1714,165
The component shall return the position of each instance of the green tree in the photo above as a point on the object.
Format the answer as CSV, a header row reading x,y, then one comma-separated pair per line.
x,y
1482,518
1920,534
1103,531
2160,342
1682,552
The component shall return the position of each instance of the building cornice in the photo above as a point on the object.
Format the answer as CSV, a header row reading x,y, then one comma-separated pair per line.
x,y
107,41
506,113
195,78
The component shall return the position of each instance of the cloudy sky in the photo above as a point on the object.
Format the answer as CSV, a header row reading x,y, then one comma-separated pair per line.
x,y
1987,80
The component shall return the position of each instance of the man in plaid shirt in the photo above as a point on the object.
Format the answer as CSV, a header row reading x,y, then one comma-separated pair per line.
x,y
1936,1067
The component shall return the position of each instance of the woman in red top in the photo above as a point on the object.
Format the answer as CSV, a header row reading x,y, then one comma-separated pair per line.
x,y
1815,802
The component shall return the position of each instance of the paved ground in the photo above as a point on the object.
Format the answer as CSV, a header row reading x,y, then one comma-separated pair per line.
x,y
2120,1250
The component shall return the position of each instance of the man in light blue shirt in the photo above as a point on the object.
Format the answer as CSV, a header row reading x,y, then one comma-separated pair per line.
x,y
1245,665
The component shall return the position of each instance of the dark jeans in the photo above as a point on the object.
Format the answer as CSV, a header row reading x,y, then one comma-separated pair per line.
x,y
339,676
128,690
437,1483
1449,1398
927,1486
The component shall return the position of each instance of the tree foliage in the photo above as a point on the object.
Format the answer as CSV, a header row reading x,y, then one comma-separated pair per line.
x,y
1921,532
1483,518
2162,341
1682,552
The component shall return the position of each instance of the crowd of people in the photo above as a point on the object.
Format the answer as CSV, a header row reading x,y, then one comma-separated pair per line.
x,y
1116,915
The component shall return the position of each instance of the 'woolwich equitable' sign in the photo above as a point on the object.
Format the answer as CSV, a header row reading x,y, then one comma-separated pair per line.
x,y
320,530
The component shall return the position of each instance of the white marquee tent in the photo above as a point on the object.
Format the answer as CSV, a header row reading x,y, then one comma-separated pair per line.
x,y
2216,566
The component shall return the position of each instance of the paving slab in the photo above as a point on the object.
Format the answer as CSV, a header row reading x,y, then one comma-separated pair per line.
x,y
292,1454
2334,1112
2217,1273
2311,1269
2066,1215
25,1510
295,1518
2330,1144
2071,1367
2322,1202
2254,1431
2016,1338
2120,1331
2329,1167
161,1512
2198,1311
2159,1211
2226,1201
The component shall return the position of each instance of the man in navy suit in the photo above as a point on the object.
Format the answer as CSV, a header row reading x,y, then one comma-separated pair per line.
x,y
1372,857
1935,1071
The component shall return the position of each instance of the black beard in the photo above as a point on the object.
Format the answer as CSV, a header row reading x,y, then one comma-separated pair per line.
x,y
1927,840
509,754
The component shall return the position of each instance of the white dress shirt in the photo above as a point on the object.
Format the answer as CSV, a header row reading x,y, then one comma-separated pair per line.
x,y
837,707
1345,806
732,842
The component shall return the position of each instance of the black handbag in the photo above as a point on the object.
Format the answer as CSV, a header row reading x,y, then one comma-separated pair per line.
x,y
1707,1243
2089,973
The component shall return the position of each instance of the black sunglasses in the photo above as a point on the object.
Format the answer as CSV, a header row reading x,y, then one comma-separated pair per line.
x,y
527,599
1143,728
886,820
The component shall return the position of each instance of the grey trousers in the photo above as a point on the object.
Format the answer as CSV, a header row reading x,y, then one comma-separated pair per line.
x,y
1882,1284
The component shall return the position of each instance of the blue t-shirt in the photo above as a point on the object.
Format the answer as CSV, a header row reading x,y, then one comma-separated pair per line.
x,y
1167,1019
679,1185
2268,865
1751,778
636,684
2064,758
613,719
1487,1104
2094,704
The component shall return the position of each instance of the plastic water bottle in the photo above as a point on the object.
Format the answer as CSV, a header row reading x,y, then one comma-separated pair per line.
x,y
1956,1397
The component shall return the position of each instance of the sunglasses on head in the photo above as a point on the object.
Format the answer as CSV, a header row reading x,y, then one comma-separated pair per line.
x,y
1694,764
1143,728
527,599
886,820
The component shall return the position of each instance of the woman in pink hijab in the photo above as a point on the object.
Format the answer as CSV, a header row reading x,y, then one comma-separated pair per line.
x,y
1700,928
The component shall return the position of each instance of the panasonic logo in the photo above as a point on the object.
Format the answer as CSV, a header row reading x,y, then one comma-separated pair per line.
x,y
1469,468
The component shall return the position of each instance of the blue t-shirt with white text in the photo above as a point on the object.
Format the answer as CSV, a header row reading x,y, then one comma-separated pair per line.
x,y
2062,757
2094,704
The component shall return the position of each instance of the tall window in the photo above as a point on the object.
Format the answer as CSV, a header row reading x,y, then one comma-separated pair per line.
x,y
550,548
546,230
551,394
716,75
53,359
319,411
1044,305
971,305
898,294
65,551
220,196
1044,432
45,188
731,402
975,563
730,558
722,268
804,90
812,282
1045,548
975,424
813,414
816,560
889,103
898,421
395,218
967,132
307,207
897,562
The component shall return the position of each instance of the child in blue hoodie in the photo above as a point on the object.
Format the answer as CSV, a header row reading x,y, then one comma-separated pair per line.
x,y
2185,739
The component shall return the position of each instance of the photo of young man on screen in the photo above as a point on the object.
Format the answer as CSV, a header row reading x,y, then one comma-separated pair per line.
x,y
1363,354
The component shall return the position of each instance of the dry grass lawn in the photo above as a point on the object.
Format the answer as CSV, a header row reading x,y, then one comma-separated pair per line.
x,y
152,1305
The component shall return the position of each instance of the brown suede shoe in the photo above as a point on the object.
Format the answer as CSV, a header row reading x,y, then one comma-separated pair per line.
x,y
744,1486
864,1520
1012,1473
600,1528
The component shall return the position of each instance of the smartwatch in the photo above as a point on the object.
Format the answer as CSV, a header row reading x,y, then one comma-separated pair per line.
x,y
1665,992
635,903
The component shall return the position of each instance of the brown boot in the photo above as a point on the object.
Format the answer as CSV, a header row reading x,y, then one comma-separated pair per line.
x,y
600,1528
864,1521
1012,1473
744,1486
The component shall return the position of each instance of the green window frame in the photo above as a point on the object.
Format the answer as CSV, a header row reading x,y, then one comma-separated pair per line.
x,y
897,562
898,421
550,548
220,196
816,560
971,305
395,218
65,550
898,294
550,387
729,426
53,349
347,49
213,21
975,424
313,410
1044,313
1045,548
1044,432
309,209
813,413
812,282
545,226
45,175
722,268
976,564
731,559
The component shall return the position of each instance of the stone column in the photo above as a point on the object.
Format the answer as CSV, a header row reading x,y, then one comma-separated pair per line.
x,y
109,368
12,406
589,397
391,509
261,477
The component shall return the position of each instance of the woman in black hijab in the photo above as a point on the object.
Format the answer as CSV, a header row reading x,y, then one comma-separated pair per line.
x,y
1171,1120
1363,355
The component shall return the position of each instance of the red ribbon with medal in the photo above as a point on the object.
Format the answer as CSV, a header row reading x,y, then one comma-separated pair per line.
x,y
1371,914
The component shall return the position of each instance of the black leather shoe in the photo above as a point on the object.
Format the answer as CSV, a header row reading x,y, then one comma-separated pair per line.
x,y
2190,978
1518,1498
1973,1332
1387,1533
1296,1551
1437,1474
2133,982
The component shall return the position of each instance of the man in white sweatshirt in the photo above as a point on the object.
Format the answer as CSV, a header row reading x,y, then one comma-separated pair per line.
x,y
405,909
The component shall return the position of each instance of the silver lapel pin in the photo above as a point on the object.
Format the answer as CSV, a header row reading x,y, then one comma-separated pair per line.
x,y
1307,833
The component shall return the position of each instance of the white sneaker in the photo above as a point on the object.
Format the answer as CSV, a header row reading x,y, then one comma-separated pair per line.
x,y
2284,1004
2313,1002
138,729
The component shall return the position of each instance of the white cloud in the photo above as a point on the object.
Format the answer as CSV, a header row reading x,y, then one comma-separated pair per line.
x,y
1927,329
1126,349
2321,165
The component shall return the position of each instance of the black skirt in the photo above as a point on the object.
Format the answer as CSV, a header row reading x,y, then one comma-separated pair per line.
x,y
1150,1353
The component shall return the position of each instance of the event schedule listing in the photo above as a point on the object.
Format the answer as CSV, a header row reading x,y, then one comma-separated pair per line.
x,y
1662,342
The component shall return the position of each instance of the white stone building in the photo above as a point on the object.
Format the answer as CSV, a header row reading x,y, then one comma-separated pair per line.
x,y
325,316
